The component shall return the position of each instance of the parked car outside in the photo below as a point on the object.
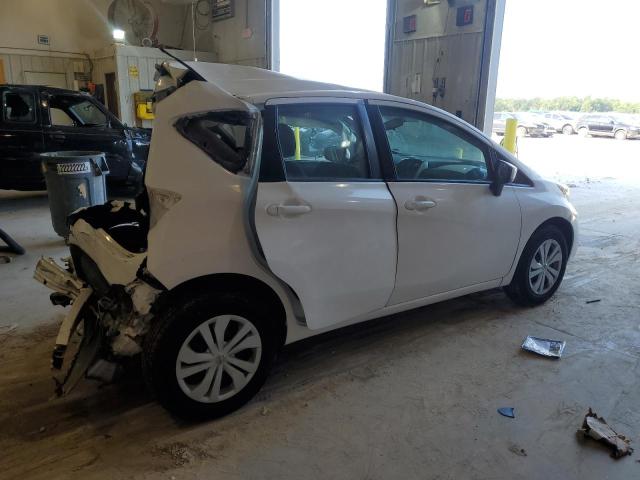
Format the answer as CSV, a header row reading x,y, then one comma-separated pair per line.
x,y
560,122
527,126
38,119
242,243
607,125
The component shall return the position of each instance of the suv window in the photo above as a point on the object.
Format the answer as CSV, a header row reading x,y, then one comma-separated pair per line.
x,y
427,148
81,111
19,107
322,142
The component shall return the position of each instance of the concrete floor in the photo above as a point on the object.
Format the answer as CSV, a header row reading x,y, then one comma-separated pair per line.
x,y
411,396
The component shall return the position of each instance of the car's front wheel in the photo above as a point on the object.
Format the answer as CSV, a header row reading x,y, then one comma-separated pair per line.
x,y
567,130
541,267
209,355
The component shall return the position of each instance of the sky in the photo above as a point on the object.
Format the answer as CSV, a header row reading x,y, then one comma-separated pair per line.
x,y
549,47
577,48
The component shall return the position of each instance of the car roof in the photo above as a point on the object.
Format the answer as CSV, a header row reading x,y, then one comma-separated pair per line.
x,y
258,85
43,88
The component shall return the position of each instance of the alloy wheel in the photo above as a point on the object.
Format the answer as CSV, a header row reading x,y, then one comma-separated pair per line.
x,y
545,267
218,358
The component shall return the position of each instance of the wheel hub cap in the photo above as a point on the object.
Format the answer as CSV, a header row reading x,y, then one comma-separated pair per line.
x,y
218,358
545,267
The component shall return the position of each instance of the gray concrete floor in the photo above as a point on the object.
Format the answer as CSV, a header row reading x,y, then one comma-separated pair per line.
x,y
411,396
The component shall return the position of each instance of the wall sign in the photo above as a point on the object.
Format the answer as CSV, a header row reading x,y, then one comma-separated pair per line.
x,y
409,24
222,9
464,16
133,71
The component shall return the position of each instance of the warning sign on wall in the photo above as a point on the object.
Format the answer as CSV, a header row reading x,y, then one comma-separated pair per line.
x,y
133,71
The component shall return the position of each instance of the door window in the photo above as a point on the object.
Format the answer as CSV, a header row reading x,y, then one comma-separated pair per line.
x,y
60,118
322,142
82,111
426,148
19,107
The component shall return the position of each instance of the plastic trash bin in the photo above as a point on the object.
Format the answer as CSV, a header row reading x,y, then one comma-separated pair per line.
x,y
74,180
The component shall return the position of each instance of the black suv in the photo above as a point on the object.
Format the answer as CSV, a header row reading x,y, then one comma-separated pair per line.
x,y
38,119
607,126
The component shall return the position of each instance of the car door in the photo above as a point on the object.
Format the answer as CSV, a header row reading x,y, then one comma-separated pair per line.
x,y
22,140
453,232
77,122
324,217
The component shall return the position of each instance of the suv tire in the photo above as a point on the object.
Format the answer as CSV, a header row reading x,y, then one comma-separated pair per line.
x,y
568,130
541,268
620,135
194,379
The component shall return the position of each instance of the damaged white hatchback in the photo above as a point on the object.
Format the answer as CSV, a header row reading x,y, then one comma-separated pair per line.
x,y
276,209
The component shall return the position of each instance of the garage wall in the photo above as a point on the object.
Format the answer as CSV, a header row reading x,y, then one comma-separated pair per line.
x,y
16,62
241,39
439,49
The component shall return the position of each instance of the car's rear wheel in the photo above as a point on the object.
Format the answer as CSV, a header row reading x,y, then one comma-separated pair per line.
x,y
541,267
521,131
210,355
621,135
583,132
568,130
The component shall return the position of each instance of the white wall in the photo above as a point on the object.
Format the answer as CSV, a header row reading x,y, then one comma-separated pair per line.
x,y
75,25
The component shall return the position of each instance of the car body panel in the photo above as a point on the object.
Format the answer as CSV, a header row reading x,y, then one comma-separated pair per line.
x,y
340,257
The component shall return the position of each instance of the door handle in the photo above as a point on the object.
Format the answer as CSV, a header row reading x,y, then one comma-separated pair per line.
x,y
419,204
287,210
58,136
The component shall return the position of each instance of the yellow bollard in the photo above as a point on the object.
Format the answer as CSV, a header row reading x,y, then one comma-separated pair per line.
x,y
509,141
296,135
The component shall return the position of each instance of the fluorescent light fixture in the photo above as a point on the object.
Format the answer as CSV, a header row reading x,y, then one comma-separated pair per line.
x,y
118,34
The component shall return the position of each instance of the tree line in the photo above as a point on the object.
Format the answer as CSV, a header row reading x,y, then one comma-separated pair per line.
x,y
571,104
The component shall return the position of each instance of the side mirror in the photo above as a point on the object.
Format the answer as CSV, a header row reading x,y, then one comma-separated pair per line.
x,y
504,173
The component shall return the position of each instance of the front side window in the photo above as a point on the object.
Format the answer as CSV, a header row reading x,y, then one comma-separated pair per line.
x,y
427,148
66,110
322,142
224,136
19,107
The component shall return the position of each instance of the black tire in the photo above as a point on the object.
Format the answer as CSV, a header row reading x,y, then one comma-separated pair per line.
x,y
583,132
568,130
171,328
520,290
620,135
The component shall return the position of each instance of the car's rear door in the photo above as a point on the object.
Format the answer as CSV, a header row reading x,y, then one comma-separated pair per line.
x,y
324,217
453,233
77,122
22,141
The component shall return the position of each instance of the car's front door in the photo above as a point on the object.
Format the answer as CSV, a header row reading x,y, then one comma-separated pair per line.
x,y
452,231
76,122
22,142
324,217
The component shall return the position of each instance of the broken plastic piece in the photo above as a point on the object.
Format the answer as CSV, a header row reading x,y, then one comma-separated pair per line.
x,y
593,301
597,428
544,346
507,412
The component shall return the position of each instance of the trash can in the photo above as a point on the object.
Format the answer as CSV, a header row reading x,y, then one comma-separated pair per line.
x,y
74,180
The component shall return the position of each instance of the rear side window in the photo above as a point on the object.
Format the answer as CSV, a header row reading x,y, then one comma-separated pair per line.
x,y
68,110
322,142
224,136
19,107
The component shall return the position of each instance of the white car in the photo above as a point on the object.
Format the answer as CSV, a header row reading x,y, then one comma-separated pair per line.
x,y
276,209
